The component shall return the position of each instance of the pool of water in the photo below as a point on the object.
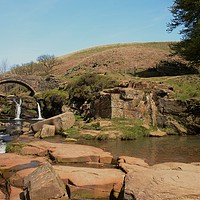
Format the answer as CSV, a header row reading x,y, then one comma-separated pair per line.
x,y
154,150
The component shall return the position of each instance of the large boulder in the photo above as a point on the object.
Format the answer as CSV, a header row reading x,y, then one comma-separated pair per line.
x,y
162,184
91,183
161,181
13,169
44,184
47,131
61,122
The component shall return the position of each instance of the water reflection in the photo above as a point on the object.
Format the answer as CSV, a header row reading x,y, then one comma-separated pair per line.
x,y
154,150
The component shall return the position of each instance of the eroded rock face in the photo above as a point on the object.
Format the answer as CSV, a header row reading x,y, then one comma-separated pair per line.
x,y
149,101
178,113
44,183
136,100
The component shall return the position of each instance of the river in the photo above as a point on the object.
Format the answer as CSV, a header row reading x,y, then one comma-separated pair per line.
x,y
154,150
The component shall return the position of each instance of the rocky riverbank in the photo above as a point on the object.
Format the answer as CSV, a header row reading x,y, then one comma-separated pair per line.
x,y
45,170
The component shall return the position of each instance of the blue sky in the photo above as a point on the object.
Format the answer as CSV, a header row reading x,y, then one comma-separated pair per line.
x,y
30,28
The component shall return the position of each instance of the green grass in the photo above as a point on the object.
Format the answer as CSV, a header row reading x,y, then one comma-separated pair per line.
x,y
185,87
14,147
73,132
130,128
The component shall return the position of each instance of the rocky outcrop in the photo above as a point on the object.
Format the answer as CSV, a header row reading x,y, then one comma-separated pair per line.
x,y
91,183
182,117
150,102
44,183
61,122
161,181
131,100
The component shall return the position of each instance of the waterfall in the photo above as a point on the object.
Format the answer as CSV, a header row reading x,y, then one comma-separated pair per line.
x,y
39,111
2,147
18,109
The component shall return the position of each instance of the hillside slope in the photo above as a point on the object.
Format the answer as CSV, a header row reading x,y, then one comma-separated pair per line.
x,y
114,58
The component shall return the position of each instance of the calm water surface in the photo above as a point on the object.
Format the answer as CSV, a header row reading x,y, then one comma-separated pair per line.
x,y
154,150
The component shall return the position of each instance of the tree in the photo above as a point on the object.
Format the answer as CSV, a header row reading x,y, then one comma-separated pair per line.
x,y
48,62
3,66
186,14
24,69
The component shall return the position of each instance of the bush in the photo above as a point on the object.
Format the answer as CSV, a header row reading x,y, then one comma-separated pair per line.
x,y
53,100
87,88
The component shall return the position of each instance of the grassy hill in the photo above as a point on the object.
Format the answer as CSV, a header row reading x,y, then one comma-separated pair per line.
x,y
115,58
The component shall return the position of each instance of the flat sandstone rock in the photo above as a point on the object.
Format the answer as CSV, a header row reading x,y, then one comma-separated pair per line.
x,y
71,153
91,182
162,181
18,162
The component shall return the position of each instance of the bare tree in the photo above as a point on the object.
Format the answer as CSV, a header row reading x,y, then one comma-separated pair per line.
x,y
28,68
3,66
48,62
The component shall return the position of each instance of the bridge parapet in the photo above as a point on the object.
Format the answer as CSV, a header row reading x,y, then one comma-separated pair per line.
x,y
33,83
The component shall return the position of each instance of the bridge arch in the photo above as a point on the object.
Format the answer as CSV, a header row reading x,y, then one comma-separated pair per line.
x,y
20,82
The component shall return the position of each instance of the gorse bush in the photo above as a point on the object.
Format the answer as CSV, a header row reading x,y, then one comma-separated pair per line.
x,y
87,87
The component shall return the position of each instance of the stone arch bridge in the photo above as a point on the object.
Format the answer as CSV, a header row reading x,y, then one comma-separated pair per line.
x,y
33,83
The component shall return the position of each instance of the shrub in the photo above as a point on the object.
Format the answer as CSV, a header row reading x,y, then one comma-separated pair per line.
x,y
87,87
53,100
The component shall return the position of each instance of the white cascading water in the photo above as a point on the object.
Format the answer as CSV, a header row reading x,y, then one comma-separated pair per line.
x,y
18,109
39,111
2,147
